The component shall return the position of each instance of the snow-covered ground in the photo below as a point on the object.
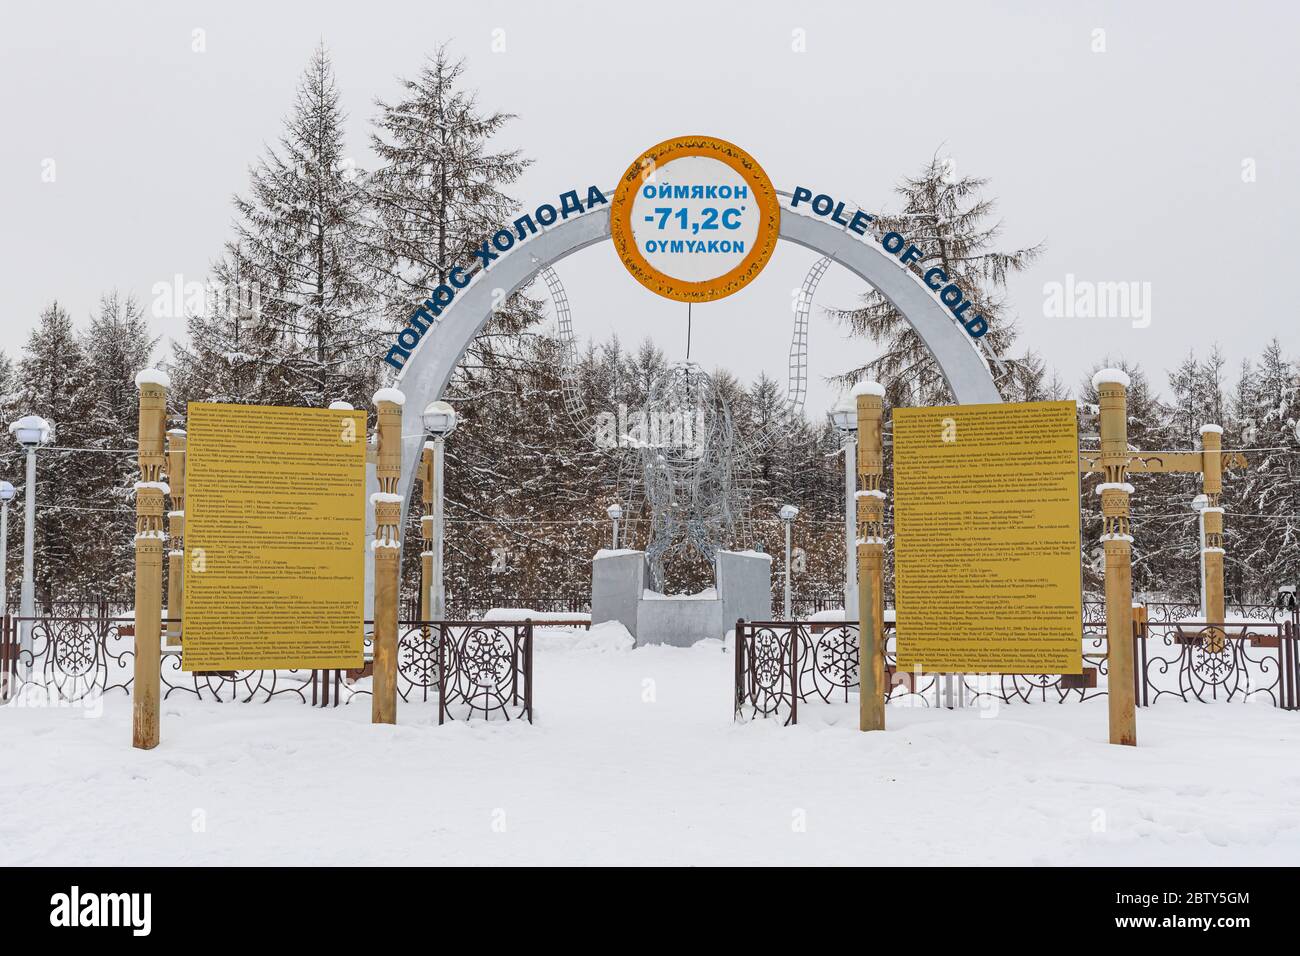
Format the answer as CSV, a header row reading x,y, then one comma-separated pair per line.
x,y
634,758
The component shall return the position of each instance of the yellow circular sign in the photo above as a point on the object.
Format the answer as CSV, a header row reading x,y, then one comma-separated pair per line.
x,y
695,219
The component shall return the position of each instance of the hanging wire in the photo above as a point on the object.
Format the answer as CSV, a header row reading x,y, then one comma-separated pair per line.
x,y
1144,453
116,511
113,451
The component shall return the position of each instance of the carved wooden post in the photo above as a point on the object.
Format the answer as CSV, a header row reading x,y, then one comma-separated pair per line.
x,y
149,540
1213,550
175,533
870,499
426,530
1111,385
387,553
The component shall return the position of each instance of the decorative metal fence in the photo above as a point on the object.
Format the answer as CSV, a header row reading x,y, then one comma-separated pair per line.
x,y
486,668
1167,612
1195,660
73,658
781,665
102,606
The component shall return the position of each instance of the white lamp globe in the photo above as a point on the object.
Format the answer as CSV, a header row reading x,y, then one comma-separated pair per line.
x,y
31,430
439,419
844,416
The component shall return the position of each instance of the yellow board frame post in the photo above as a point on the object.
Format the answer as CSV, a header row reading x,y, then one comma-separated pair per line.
x,y
870,506
387,552
149,540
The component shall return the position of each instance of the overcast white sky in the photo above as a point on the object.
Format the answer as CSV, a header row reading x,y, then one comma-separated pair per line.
x,y
1128,163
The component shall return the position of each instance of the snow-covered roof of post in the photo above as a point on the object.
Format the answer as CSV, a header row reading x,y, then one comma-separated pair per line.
x,y
1216,429
1112,376
152,376
868,387
389,395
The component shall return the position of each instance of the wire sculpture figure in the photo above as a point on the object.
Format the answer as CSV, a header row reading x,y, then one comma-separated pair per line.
x,y
685,464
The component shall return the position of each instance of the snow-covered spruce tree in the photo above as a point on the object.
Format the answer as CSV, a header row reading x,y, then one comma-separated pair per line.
x,y
84,384
1170,542
117,344
52,383
1028,380
8,386
947,218
230,354
437,192
800,466
1262,524
524,487
11,456
1196,397
300,246
1153,536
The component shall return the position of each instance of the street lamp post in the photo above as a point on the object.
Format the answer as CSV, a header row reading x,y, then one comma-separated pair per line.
x,y
615,511
1199,504
439,421
30,432
787,514
6,496
845,418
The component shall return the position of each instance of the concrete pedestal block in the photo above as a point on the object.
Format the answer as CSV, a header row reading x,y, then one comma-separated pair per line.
x,y
679,620
743,589
617,580
745,586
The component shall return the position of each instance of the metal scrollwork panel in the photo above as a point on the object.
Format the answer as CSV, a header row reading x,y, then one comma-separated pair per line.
x,y
765,672
417,662
1209,663
486,671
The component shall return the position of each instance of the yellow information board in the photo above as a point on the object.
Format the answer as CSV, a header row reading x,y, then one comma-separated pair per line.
x,y
986,538
275,530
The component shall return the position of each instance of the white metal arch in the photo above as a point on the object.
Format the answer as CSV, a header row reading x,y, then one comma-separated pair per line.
x,y
430,366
